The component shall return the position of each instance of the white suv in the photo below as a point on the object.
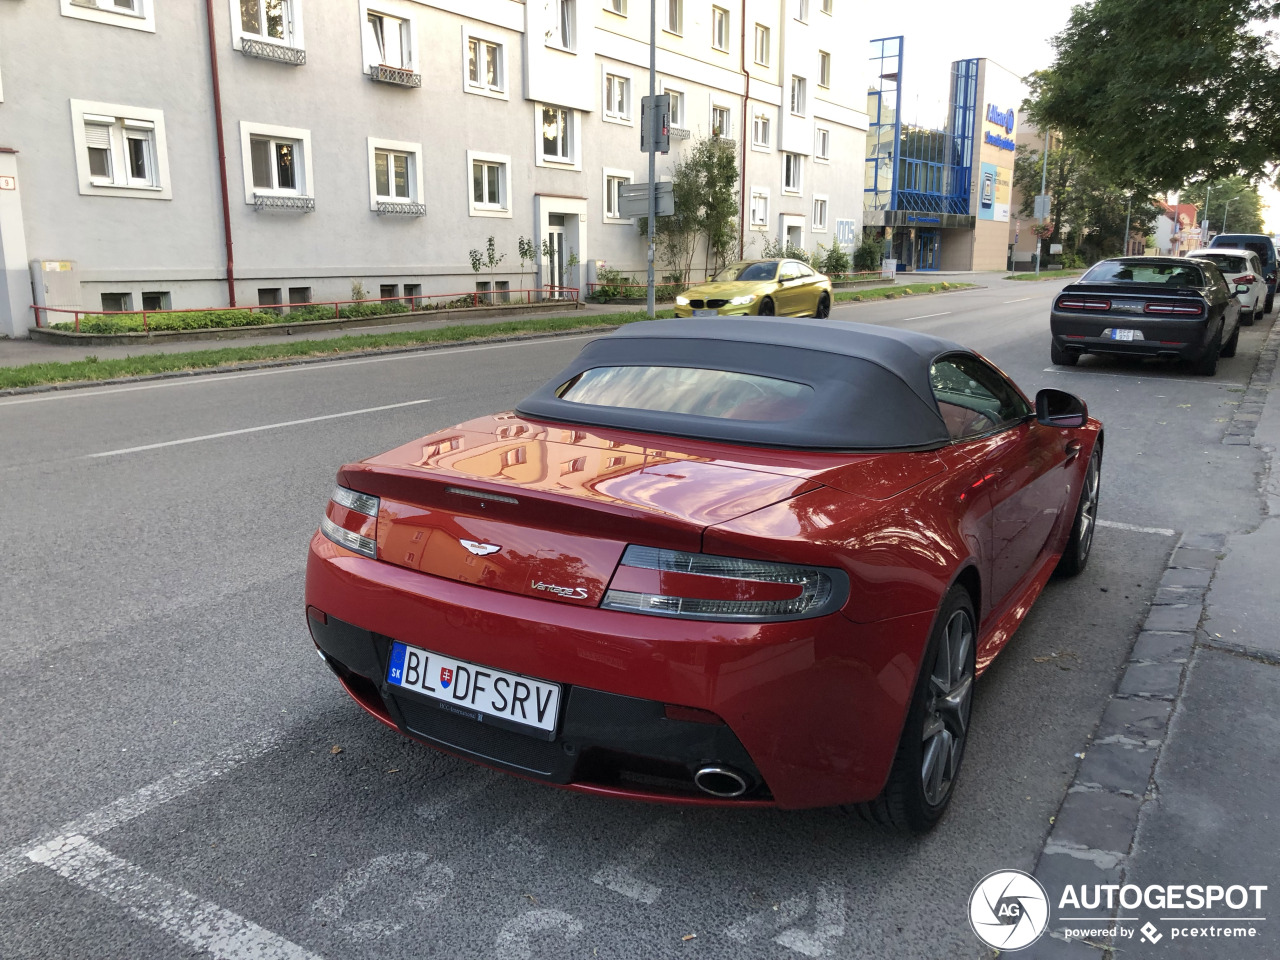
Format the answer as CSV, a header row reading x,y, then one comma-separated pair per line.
x,y
1240,266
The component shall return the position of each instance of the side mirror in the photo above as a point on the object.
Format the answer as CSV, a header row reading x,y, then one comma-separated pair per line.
x,y
1241,288
1057,408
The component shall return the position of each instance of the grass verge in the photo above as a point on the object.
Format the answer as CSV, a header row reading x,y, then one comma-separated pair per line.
x,y
899,290
36,374
1047,275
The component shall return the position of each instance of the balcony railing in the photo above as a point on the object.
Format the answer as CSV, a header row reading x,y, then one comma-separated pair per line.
x,y
396,75
401,209
278,52
678,133
292,204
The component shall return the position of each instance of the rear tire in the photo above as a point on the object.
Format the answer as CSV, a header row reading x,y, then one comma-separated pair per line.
x,y
1251,317
925,767
824,307
1076,553
766,308
1229,348
1207,365
1061,356
1271,299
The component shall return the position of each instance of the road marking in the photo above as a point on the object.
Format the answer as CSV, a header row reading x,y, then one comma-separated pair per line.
x,y
267,426
204,926
200,379
828,925
1020,299
142,801
945,313
1116,525
618,876
760,925
427,881
513,939
1206,382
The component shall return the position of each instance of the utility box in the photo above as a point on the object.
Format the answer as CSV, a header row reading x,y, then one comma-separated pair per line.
x,y
56,283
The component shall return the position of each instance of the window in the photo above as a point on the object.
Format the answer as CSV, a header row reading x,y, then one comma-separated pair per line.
x,y
616,6
413,294
563,29
826,6
557,134
720,28
797,96
721,122
973,398
727,394
674,20
388,291
760,130
117,302
613,182
822,144
819,213
759,208
133,14
387,41
617,97
792,170
270,20
802,10
488,184
155,300
277,161
514,456
824,69
392,175
762,45
120,151
299,294
269,297
485,68
677,107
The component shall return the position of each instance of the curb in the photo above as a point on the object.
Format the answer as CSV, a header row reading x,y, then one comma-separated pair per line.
x,y
1244,421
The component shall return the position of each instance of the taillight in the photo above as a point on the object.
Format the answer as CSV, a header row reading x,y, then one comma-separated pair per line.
x,y
1071,303
702,586
1247,278
351,521
1179,309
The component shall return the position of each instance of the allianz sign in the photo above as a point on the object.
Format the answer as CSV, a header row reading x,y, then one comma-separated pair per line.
x,y
1001,118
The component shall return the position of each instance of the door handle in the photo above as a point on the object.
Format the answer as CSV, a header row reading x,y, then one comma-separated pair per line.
x,y
1072,449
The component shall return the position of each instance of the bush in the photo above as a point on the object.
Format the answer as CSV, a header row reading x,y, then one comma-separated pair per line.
x,y
869,254
613,284
208,319
832,260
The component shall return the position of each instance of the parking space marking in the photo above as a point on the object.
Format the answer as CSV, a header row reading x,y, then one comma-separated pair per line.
x,y
427,880
15,861
828,925
204,926
267,426
1117,525
513,938
514,835
1205,382
475,781
760,925
618,876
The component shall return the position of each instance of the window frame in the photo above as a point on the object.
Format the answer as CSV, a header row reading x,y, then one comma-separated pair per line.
x,y
758,193
761,116
298,135
679,105
485,209
675,28
409,34
566,20
402,147
826,7
484,39
821,154
824,69
141,17
820,226
624,116
1018,401
791,161
119,119
573,128
719,16
617,7
763,32
802,11
609,174
799,85
711,125
293,38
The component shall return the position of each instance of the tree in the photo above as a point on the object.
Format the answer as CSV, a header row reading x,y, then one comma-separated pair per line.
x,y
1234,198
1159,92
704,184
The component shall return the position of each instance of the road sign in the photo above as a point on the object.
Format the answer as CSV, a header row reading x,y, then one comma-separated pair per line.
x,y
633,199
1042,206
662,138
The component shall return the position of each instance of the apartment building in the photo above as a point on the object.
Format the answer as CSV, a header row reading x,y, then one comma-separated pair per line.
x,y
379,141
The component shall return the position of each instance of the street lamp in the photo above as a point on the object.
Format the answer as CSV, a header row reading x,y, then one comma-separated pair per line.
x,y
1224,214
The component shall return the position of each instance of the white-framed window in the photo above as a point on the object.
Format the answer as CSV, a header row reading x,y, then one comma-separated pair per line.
x,y
395,172
489,174
802,11
720,28
275,21
792,173
557,136
821,144
819,214
797,96
673,16
761,131
613,183
564,29
824,69
762,45
721,121
617,98
677,106
121,151
484,64
131,14
759,208
826,7
388,40
616,6
276,161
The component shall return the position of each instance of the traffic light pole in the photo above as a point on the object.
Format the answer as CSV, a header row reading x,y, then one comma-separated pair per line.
x,y
653,136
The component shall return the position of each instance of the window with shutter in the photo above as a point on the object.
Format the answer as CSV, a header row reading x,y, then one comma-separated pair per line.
x,y
97,138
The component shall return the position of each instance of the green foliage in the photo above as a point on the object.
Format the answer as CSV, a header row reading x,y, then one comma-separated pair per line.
x,y
207,319
1162,92
615,285
704,184
1234,198
869,254
477,259
832,260
357,290
775,249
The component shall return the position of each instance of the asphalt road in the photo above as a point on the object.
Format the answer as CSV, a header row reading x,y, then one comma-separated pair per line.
x,y
167,719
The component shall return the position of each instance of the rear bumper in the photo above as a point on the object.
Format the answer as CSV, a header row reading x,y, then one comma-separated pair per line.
x,y
812,709
1180,339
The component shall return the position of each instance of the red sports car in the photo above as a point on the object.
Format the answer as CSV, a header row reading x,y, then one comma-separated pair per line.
x,y
755,562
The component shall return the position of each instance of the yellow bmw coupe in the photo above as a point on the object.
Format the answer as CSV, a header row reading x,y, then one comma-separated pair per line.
x,y
765,288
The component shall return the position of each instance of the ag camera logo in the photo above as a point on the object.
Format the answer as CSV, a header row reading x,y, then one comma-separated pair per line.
x,y
1008,910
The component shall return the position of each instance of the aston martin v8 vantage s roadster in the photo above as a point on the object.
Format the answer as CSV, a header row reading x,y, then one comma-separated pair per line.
x,y
758,563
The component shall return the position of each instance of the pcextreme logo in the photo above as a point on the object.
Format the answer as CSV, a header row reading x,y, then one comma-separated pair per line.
x,y
1008,910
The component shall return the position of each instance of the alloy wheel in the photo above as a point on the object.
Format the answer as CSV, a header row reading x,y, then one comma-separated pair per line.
x,y
947,708
1089,508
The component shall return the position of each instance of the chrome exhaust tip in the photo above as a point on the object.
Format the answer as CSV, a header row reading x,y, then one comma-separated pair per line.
x,y
723,782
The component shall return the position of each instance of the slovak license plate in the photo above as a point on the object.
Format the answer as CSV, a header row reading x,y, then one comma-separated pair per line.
x,y
1118,334
706,313
482,693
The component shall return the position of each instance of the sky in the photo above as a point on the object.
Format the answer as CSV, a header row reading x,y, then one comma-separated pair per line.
x,y
1014,33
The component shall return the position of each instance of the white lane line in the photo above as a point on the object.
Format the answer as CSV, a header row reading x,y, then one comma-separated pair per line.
x,y
927,316
1206,382
204,926
199,379
1020,299
1116,525
618,877
265,426
14,861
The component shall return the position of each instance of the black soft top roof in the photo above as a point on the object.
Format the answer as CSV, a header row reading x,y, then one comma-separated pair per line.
x,y
871,384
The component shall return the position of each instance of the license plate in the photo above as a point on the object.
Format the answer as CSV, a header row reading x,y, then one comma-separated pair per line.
x,y
481,693
706,313
1118,334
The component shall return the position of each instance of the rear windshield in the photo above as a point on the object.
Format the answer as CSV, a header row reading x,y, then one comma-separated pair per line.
x,y
1174,274
1225,263
1263,248
749,271
690,390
